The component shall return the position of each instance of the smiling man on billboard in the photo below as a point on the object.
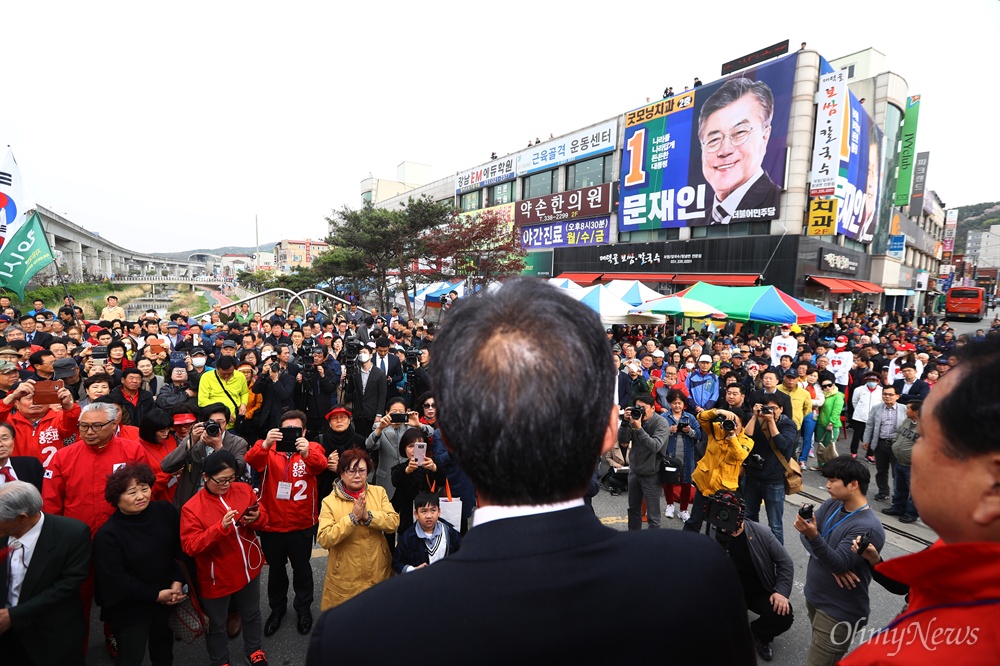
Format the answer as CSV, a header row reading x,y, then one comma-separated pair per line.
x,y
733,127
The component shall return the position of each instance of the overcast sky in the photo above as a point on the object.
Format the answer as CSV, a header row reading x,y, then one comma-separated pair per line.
x,y
169,125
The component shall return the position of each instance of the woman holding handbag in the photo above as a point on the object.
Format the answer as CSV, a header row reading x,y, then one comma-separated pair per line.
x,y
810,420
138,581
829,423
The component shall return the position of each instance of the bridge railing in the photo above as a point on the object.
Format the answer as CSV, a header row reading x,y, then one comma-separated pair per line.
x,y
262,301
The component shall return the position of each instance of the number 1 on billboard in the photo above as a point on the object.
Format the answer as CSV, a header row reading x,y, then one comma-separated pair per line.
x,y
636,148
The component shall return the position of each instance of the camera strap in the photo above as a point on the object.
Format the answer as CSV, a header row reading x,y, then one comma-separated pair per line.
x,y
236,405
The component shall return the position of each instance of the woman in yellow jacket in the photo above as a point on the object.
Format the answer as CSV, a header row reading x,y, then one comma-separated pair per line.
x,y
352,525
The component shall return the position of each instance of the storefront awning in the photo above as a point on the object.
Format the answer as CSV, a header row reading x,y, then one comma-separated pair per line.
x,y
719,279
833,284
866,287
642,277
581,278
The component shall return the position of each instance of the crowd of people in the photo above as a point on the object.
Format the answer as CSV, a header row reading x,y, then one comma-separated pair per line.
x,y
157,466
789,395
196,452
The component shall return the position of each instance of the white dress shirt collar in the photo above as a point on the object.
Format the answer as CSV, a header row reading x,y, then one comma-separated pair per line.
x,y
488,514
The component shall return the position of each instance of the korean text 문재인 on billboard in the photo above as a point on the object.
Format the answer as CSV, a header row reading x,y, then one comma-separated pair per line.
x,y
859,175
712,155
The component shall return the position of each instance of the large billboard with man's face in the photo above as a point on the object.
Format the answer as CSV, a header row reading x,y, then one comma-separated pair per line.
x,y
712,155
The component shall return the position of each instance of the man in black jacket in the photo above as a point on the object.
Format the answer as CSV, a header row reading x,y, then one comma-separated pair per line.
x,y
766,572
528,430
771,430
910,387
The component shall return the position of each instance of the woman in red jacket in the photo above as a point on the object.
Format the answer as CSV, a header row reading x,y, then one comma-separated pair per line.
x,y
157,441
217,526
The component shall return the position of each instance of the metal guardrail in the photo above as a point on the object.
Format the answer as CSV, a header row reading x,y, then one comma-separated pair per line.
x,y
260,300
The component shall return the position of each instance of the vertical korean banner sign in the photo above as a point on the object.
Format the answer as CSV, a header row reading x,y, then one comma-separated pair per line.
x,y
859,175
24,254
732,171
907,151
830,114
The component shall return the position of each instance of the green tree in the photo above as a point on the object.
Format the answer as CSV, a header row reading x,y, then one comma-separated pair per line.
x,y
481,247
376,248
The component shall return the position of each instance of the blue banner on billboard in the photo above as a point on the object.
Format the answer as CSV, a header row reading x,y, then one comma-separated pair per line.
x,y
568,233
712,155
859,175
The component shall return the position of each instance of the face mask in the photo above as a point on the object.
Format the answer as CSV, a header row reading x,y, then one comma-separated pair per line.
x,y
871,385
198,362
363,358
689,366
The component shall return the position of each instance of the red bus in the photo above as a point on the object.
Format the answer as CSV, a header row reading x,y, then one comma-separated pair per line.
x,y
965,303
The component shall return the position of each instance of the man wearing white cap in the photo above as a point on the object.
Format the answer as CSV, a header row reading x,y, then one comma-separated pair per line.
x,y
841,362
784,343
703,385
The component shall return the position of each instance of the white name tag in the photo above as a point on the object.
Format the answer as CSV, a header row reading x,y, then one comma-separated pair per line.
x,y
284,490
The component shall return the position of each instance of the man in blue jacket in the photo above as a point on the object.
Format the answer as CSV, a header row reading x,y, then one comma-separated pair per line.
x,y
703,386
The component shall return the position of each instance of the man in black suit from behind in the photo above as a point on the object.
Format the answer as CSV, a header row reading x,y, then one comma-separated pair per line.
x,y
528,427
42,622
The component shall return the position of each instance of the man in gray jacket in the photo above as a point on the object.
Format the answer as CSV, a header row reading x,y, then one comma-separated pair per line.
x,y
766,572
880,433
191,452
902,450
648,436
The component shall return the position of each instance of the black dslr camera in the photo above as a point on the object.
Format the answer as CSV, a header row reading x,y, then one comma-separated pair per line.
x,y
727,424
725,511
212,429
754,461
766,409
636,413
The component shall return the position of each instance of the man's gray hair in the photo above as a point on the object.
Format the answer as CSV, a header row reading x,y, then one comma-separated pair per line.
x,y
109,410
17,497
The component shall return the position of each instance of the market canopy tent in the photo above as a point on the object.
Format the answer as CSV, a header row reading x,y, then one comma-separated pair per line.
x,y
564,283
632,292
766,304
683,306
612,309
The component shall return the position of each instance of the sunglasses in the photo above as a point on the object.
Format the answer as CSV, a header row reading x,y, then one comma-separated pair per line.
x,y
826,386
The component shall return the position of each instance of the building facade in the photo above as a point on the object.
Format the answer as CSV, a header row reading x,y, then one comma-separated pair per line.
x,y
289,254
795,192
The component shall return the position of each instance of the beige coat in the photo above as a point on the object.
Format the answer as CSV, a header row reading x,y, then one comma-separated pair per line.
x,y
359,556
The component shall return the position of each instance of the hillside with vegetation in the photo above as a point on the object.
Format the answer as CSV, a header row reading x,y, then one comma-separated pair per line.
x,y
975,218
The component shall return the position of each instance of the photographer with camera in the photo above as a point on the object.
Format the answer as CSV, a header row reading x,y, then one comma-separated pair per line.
x,y
276,383
774,434
766,571
205,438
319,379
647,433
718,466
684,430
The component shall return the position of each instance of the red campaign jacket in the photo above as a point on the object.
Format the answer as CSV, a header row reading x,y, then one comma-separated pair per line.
x,y
77,475
166,484
55,430
299,512
954,612
226,559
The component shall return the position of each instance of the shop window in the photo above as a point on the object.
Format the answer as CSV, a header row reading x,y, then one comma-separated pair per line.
x,y
649,235
539,184
588,173
502,193
470,201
